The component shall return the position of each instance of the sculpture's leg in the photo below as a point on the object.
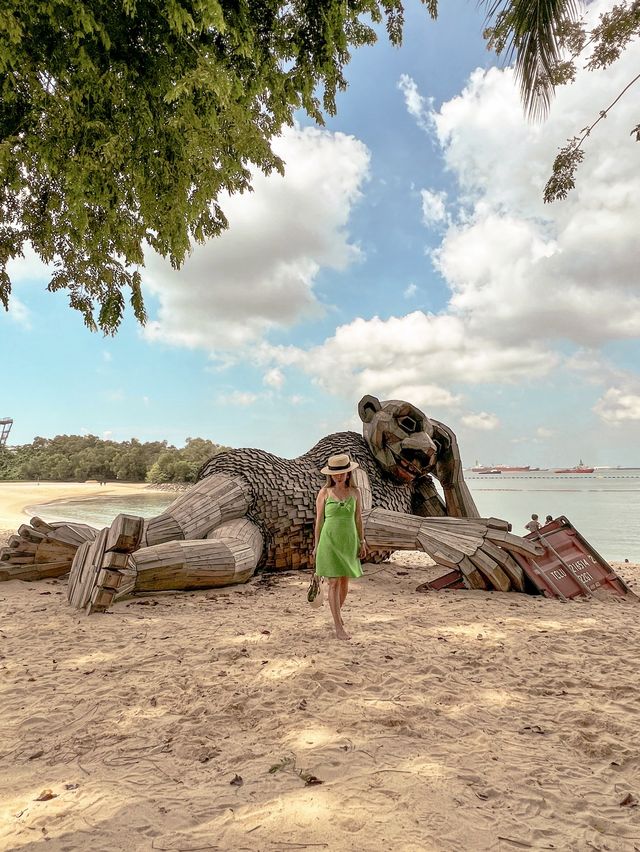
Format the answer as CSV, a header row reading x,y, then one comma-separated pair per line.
x,y
478,547
206,505
228,555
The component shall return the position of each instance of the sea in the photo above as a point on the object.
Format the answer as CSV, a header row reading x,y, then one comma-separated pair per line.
x,y
604,505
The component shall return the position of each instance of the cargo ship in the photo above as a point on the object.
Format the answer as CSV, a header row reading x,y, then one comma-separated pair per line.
x,y
501,468
579,468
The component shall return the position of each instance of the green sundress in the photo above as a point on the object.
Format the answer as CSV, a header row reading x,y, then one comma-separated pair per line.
x,y
337,552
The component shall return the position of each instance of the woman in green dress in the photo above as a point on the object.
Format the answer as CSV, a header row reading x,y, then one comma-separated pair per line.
x,y
339,540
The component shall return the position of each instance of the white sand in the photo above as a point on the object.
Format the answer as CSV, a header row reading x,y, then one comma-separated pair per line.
x,y
452,721
17,497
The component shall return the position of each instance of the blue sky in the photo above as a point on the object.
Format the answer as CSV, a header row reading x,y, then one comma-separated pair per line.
x,y
406,254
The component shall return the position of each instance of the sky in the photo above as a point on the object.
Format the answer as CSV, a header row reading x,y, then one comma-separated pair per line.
x,y
406,254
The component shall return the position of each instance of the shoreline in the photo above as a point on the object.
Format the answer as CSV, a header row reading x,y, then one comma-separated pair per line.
x,y
19,500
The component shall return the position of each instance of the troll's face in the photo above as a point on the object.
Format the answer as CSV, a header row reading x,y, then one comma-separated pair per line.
x,y
400,436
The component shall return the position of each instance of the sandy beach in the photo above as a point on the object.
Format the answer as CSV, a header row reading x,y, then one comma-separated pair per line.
x,y
206,721
17,497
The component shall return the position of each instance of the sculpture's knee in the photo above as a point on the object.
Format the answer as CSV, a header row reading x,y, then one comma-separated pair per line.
x,y
206,505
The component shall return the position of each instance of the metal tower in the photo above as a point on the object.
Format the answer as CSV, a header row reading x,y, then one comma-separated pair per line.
x,y
5,427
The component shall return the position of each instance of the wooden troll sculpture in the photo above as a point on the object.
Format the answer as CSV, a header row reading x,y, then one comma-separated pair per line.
x,y
251,509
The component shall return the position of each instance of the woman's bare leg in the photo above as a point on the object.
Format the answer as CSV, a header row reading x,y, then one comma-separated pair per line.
x,y
344,590
334,605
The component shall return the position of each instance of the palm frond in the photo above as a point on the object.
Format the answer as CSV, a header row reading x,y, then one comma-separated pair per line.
x,y
529,30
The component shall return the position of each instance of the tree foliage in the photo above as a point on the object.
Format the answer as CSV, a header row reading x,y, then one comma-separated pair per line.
x,y
123,121
547,38
82,457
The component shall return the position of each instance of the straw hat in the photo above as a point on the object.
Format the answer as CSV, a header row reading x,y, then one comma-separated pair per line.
x,y
339,464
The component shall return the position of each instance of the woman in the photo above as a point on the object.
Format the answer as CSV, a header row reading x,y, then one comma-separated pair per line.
x,y
339,540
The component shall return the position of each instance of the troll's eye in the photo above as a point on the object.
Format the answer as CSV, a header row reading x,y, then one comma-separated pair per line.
x,y
409,424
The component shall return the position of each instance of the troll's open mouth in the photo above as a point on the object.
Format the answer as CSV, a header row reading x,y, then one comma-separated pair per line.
x,y
416,465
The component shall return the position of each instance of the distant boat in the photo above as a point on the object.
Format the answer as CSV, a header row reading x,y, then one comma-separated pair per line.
x,y
500,468
579,468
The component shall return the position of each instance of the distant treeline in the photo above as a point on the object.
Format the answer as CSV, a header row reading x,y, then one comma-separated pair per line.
x,y
82,457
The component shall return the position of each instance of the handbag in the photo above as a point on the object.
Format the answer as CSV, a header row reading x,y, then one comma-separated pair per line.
x,y
315,592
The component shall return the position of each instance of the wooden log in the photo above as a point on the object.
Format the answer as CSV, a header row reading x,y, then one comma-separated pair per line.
x,y
16,541
193,564
513,542
115,561
25,531
38,524
209,503
72,534
7,554
109,579
161,529
125,534
34,572
492,571
91,565
48,551
77,568
508,564
473,578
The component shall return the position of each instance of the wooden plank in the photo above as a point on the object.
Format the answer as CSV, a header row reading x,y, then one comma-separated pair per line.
x,y
115,560
33,572
109,579
38,524
75,572
48,551
472,577
492,571
515,543
508,564
125,533
25,531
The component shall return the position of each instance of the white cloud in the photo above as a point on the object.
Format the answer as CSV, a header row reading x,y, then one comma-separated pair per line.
x,y
19,313
107,434
543,433
29,267
482,421
401,356
618,405
274,378
433,207
239,398
418,107
410,291
542,272
259,275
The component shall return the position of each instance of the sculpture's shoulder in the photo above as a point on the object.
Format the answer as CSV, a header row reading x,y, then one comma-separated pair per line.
x,y
248,462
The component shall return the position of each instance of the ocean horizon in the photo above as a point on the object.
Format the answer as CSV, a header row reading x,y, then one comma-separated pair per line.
x,y
603,506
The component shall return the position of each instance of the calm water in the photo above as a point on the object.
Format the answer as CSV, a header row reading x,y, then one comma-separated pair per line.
x,y
604,506
100,511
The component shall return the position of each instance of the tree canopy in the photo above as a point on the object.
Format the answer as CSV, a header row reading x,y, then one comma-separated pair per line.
x,y
82,457
122,122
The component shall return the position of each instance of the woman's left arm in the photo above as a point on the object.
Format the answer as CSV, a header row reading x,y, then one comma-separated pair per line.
x,y
362,550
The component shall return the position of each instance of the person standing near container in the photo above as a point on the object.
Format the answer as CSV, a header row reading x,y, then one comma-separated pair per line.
x,y
533,525
339,538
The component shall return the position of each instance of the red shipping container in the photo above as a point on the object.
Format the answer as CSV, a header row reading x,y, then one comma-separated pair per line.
x,y
571,567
